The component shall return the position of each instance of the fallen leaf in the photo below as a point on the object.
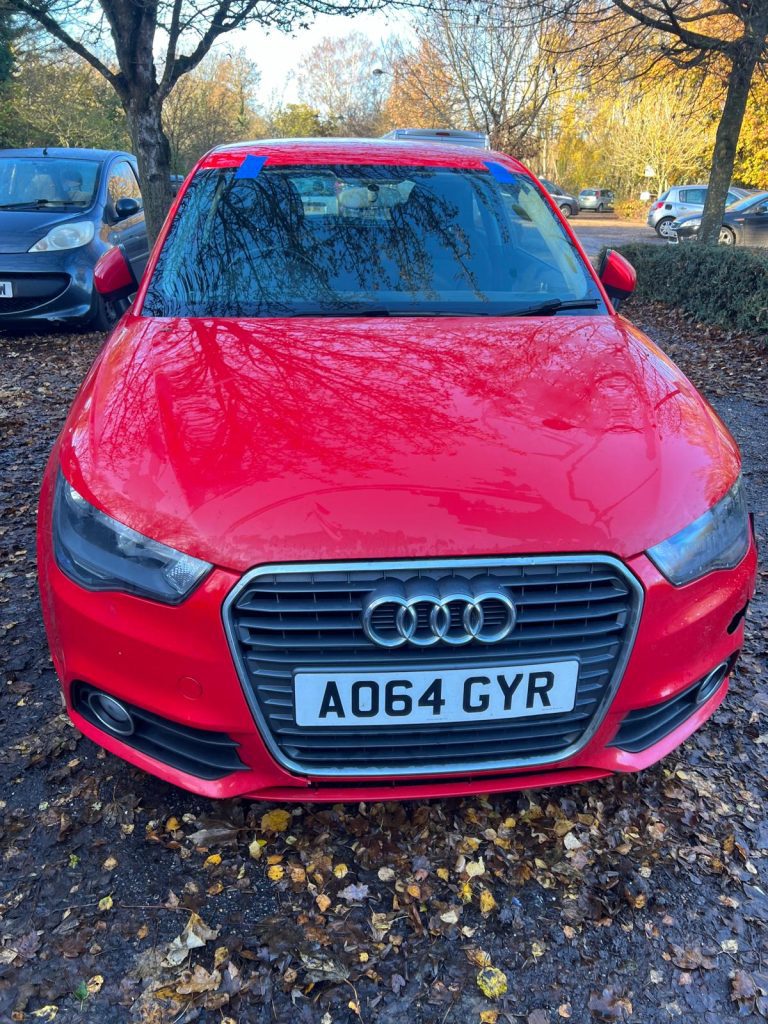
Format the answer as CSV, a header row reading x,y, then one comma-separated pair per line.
x,y
492,982
387,874
487,902
319,968
275,872
275,821
609,1006
105,903
354,893
46,1012
538,1017
323,902
198,980
196,933
94,984
341,870
475,867
212,861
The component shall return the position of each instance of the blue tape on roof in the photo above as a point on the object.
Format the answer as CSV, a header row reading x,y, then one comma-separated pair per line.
x,y
251,166
499,172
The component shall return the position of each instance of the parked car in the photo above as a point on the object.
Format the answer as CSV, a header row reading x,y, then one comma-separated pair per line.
x,y
60,210
745,222
387,504
569,205
478,140
598,199
679,202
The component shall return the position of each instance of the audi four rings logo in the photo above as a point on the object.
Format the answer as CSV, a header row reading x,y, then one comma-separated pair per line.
x,y
423,612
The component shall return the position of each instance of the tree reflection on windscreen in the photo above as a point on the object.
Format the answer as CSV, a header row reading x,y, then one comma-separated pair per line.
x,y
335,240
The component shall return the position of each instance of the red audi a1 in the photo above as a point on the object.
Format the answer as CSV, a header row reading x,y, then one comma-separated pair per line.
x,y
373,494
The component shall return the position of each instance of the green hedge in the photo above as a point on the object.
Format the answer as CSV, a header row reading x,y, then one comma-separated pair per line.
x,y
718,285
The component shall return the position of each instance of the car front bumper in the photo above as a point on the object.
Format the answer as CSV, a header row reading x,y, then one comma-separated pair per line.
x,y
55,286
175,666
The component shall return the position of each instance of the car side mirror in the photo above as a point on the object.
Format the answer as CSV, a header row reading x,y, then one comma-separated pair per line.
x,y
127,207
617,276
113,274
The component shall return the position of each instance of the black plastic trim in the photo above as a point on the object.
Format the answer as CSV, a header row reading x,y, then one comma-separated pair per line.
x,y
198,752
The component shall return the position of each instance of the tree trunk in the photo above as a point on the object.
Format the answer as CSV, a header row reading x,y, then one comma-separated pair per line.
x,y
726,141
153,153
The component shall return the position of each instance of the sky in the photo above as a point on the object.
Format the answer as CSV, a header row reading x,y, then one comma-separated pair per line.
x,y
277,55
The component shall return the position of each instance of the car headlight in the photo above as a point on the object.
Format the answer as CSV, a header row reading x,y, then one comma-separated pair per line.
x,y
694,222
98,553
65,236
717,540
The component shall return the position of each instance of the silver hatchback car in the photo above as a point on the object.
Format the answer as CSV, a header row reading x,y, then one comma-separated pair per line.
x,y
683,201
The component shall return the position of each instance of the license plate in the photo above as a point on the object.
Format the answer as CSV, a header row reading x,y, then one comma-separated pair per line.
x,y
434,696
6,289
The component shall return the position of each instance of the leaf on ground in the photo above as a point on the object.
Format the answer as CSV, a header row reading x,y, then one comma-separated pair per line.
x,y
275,821
323,968
354,893
608,1005
198,980
196,933
492,982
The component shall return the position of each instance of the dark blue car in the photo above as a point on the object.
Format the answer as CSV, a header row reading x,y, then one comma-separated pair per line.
x,y
60,209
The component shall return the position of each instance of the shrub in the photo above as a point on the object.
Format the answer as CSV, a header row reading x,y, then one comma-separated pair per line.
x,y
716,284
631,209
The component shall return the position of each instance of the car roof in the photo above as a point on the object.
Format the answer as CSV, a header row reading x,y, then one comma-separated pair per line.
x,y
54,151
335,151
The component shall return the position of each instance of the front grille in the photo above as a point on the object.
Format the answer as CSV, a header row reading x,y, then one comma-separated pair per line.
x,y
32,290
288,618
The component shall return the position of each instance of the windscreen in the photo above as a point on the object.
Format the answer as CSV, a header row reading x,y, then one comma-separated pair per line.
x,y
744,204
389,240
32,183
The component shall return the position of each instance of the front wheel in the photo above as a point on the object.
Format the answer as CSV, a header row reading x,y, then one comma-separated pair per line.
x,y
727,236
600,207
566,210
104,315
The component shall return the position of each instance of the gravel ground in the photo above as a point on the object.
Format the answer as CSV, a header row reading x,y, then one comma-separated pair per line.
x,y
636,898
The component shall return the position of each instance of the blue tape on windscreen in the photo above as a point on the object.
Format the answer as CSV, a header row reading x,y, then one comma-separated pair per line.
x,y
499,172
251,166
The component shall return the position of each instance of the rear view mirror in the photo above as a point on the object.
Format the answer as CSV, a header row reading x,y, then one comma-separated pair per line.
x,y
127,207
113,274
617,276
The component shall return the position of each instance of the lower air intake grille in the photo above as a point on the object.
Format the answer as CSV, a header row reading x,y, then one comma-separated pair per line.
x,y
309,618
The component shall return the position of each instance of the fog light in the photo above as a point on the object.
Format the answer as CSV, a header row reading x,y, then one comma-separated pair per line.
x,y
113,715
711,683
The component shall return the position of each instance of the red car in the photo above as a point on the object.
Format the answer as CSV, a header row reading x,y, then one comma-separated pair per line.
x,y
373,494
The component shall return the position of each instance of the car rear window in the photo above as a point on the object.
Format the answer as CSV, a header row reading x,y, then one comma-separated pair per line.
x,y
334,240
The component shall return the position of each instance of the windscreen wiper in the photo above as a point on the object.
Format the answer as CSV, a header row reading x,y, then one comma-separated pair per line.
x,y
553,306
37,203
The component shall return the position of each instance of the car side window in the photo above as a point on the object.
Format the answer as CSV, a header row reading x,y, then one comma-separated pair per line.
x,y
123,183
695,196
